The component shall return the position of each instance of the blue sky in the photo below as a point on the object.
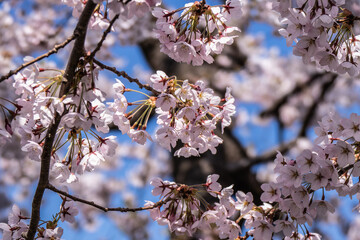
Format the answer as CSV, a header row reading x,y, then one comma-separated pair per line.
x,y
133,57
108,230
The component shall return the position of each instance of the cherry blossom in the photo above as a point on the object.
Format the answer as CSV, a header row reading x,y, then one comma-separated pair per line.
x,y
180,36
316,29
15,226
65,121
68,211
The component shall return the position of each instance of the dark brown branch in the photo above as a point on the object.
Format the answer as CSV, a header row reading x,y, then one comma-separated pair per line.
x,y
78,50
274,110
105,209
124,75
107,31
343,170
76,53
326,86
45,55
44,177
230,133
269,156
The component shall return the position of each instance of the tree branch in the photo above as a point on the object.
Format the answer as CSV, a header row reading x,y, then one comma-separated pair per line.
x,y
274,110
44,177
270,155
105,209
45,55
311,111
78,50
306,122
76,53
124,75
230,133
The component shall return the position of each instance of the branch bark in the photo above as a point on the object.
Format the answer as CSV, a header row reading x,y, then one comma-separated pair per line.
x,y
325,88
274,110
105,209
78,50
76,54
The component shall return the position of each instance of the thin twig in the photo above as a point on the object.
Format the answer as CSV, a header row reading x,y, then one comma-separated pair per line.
x,y
124,75
105,209
45,55
107,31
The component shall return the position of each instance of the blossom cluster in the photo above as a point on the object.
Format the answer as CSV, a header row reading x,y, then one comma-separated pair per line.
x,y
108,9
192,37
199,30
186,112
16,227
331,165
185,211
294,200
189,112
81,109
323,32
298,194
